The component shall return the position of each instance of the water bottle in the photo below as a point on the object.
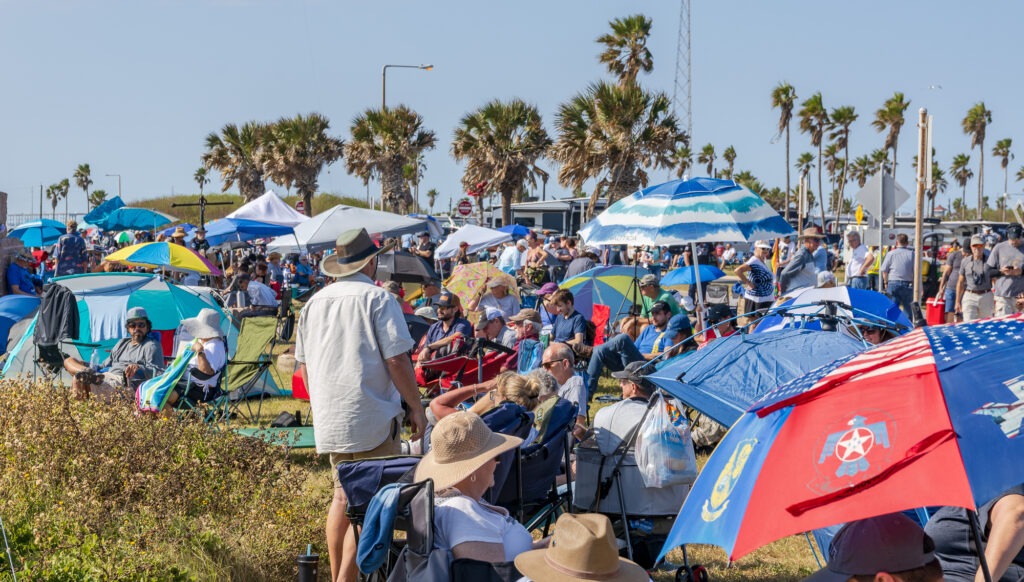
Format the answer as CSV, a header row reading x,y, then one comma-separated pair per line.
x,y
94,361
308,564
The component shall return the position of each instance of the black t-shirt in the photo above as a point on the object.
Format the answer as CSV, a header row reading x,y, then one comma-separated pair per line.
x,y
951,532
427,247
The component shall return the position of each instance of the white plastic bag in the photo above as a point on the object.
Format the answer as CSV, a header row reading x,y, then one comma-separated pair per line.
x,y
664,450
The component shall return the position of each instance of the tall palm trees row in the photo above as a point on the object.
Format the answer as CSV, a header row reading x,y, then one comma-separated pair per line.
x,y
61,189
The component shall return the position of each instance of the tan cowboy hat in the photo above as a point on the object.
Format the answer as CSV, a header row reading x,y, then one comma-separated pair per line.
x,y
179,232
353,250
460,444
811,232
582,548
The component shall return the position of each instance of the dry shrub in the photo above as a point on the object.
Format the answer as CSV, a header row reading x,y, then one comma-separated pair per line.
x,y
95,491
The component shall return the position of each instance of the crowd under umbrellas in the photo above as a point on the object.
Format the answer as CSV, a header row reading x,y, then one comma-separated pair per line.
x,y
824,386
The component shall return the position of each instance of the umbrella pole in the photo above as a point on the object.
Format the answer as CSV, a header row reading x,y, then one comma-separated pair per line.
x,y
696,278
972,519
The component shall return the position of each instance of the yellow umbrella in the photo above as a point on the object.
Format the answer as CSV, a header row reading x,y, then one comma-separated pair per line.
x,y
163,255
467,280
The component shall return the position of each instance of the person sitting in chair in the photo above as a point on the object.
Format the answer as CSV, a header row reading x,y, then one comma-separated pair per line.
x,y
262,299
199,382
491,327
461,462
136,357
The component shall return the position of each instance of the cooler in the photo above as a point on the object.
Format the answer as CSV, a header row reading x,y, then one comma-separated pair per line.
x,y
640,500
936,311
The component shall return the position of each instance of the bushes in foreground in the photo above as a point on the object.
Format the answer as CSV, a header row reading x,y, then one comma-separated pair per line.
x,y
92,491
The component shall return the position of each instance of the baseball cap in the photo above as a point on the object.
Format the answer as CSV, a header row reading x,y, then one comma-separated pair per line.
x,y
977,240
718,312
423,233
631,372
489,315
434,282
678,324
526,315
497,283
547,289
136,313
885,543
447,299
686,303
25,256
825,277
1013,231
426,312
762,244
661,306
648,279
521,243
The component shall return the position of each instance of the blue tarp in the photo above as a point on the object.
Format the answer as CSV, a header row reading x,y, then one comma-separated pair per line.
x,y
103,210
725,378
226,229
516,230
14,308
127,218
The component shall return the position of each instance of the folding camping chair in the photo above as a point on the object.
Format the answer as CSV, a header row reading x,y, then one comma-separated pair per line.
x,y
511,419
535,490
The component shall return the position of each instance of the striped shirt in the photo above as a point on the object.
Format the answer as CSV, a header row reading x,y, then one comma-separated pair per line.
x,y
899,264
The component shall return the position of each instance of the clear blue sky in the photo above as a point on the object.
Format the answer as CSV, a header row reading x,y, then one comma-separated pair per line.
x,y
132,87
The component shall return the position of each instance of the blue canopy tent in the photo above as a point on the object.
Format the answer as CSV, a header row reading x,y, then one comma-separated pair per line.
x,y
189,227
685,275
38,233
127,218
240,229
103,210
806,308
725,378
516,230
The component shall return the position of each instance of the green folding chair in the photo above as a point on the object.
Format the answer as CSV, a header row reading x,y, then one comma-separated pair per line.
x,y
253,358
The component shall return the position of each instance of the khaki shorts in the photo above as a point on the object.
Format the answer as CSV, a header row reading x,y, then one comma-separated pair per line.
x,y
390,447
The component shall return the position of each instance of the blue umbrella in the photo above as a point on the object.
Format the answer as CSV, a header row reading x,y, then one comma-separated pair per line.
x,y
103,210
127,218
226,229
516,230
38,233
611,286
727,377
14,308
684,275
858,306
687,211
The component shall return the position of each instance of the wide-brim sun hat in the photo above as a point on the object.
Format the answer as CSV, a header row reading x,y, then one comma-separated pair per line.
x,y
205,324
583,548
353,249
460,444
811,232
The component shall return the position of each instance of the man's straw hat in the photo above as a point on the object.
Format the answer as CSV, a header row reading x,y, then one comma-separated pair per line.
x,y
352,251
460,444
582,548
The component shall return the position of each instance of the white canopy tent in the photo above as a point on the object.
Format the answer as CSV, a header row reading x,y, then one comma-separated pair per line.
x,y
271,209
321,232
478,238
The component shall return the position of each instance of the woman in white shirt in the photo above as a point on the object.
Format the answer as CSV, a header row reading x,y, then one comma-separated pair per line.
x,y
199,382
461,462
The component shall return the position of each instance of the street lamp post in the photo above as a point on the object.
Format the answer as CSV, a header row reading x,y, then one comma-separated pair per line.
x,y
384,80
118,183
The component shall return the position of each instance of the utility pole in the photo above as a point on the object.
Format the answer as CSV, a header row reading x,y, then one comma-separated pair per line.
x,y
923,169
40,202
682,91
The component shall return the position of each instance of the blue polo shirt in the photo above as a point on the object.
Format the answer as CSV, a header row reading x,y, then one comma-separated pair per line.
x,y
566,328
437,332
18,275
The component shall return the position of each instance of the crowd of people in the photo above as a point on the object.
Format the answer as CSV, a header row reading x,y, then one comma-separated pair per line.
x,y
367,375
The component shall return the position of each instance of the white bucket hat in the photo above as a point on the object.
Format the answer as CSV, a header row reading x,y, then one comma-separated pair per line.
x,y
204,325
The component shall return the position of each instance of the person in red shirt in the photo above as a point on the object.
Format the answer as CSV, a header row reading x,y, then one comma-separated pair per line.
x,y
720,324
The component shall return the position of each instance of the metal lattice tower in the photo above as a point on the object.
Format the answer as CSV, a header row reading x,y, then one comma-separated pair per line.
x,y
681,91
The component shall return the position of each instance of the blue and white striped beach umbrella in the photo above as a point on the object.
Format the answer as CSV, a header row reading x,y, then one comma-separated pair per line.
x,y
687,211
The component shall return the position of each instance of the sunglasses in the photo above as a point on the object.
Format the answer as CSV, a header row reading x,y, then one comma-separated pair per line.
x,y
548,365
137,324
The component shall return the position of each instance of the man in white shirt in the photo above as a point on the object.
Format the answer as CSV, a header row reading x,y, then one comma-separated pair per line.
x,y
511,258
559,360
860,261
352,345
262,299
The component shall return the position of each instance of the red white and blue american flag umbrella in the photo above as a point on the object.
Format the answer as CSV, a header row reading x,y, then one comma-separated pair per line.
x,y
929,418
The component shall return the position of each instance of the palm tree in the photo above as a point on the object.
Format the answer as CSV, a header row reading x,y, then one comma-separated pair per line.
x,y
298,151
805,163
1002,150
238,153
202,178
939,185
814,121
880,161
413,174
57,192
860,170
833,163
729,155
707,156
891,116
974,124
501,143
614,131
383,141
783,98
431,198
684,161
961,172
625,48
842,118
97,197
774,197
83,180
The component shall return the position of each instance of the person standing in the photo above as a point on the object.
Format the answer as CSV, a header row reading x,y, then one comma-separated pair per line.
x,y
199,243
898,274
950,278
757,279
859,263
425,249
974,298
1008,258
70,252
511,257
800,271
356,327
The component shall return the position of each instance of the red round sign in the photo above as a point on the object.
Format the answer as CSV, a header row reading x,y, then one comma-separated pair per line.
x,y
465,208
300,206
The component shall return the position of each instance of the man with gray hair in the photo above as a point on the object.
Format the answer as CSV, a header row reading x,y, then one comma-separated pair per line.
x,y
898,274
1007,257
511,257
559,360
860,261
527,325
